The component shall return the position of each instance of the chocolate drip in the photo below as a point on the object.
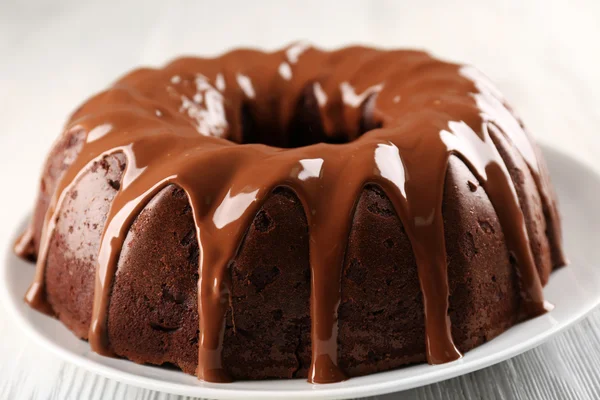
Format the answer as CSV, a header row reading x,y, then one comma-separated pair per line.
x,y
400,115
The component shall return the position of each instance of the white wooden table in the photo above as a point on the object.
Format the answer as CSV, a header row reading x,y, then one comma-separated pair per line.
x,y
544,55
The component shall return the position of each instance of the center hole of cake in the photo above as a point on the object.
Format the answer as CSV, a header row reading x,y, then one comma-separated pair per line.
x,y
305,127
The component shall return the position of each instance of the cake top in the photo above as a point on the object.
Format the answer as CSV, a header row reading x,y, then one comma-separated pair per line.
x,y
223,130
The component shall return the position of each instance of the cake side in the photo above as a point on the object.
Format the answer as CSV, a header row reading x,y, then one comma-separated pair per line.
x,y
144,171
153,310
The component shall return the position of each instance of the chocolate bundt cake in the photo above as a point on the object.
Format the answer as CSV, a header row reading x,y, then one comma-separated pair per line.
x,y
300,213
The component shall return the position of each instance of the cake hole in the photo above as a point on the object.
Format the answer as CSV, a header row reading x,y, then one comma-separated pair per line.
x,y
186,209
193,255
372,357
470,245
250,128
194,340
307,276
170,366
376,209
262,222
163,328
179,193
277,315
472,186
188,238
486,227
172,295
355,272
261,277
114,184
263,124
244,332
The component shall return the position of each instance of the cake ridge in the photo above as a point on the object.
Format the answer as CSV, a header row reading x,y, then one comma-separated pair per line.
x,y
414,144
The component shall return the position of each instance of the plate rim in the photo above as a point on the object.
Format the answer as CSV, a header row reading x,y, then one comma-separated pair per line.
x,y
459,367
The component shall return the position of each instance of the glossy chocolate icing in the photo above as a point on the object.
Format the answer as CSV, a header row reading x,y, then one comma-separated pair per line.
x,y
390,118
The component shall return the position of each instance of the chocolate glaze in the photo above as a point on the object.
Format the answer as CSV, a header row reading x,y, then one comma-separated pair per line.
x,y
396,117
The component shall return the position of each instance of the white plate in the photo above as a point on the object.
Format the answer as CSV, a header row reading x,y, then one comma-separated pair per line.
x,y
574,290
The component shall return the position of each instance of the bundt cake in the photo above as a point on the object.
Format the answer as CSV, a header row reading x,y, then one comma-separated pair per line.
x,y
300,213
